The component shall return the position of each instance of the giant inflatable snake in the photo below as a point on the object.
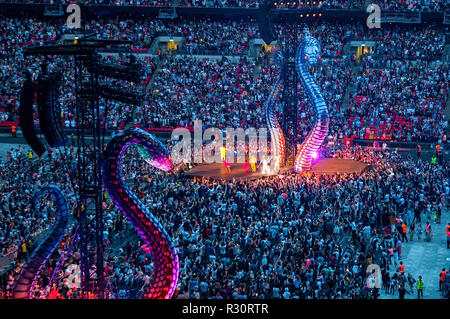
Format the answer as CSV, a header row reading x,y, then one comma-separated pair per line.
x,y
26,280
165,258
308,54
276,133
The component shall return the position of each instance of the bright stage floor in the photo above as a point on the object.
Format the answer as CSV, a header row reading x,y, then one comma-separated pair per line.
x,y
324,166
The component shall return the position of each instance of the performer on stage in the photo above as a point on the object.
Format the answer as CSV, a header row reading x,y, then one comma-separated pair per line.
x,y
246,168
223,155
227,167
275,165
266,167
253,164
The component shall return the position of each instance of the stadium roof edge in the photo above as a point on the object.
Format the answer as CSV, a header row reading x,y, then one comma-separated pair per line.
x,y
91,10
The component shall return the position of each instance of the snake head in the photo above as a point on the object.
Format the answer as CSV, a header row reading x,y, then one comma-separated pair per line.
x,y
157,157
311,49
165,163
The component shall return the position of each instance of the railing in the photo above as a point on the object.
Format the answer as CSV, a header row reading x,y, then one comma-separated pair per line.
x,y
401,17
394,144
446,18
188,51
53,10
167,13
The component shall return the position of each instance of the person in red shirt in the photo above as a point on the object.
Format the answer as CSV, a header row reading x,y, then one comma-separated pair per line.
x,y
246,167
227,167
404,232
447,231
442,279
402,267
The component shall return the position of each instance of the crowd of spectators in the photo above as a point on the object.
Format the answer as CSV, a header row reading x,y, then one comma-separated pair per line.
x,y
414,5
385,5
287,236
202,86
411,44
219,3
20,177
200,35
15,34
321,4
406,102
220,93
224,94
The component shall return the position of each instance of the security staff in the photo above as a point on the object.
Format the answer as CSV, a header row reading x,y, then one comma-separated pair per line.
x,y
419,287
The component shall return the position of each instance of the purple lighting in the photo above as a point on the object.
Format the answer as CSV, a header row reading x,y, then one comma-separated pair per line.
x,y
166,266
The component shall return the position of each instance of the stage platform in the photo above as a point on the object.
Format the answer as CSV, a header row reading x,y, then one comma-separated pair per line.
x,y
327,166
338,166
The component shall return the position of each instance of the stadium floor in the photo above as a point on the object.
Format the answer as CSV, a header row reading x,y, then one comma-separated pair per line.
x,y
426,259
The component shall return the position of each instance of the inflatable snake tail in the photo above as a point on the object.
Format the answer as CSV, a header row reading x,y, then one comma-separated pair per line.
x,y
165,258
26,280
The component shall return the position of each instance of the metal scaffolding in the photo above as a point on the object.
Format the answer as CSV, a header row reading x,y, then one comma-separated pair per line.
x,y
290,96
90,133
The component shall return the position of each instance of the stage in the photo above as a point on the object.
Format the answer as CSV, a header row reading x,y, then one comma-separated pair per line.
x,y
326,166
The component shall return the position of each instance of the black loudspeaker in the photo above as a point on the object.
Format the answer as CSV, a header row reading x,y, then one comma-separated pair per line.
x,y
26,116
265,22
49,110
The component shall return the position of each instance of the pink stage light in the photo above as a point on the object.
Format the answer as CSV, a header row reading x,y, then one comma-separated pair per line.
x,y
315,155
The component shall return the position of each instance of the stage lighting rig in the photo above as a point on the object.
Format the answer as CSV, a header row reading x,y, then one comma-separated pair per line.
x,y
130,71
89,142
121,95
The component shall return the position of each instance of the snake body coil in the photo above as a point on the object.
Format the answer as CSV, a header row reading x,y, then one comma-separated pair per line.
x,y
165,258
26,280
308,54
276,133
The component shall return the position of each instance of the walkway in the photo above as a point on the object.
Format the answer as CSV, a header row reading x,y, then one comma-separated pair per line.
x,y
426,259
